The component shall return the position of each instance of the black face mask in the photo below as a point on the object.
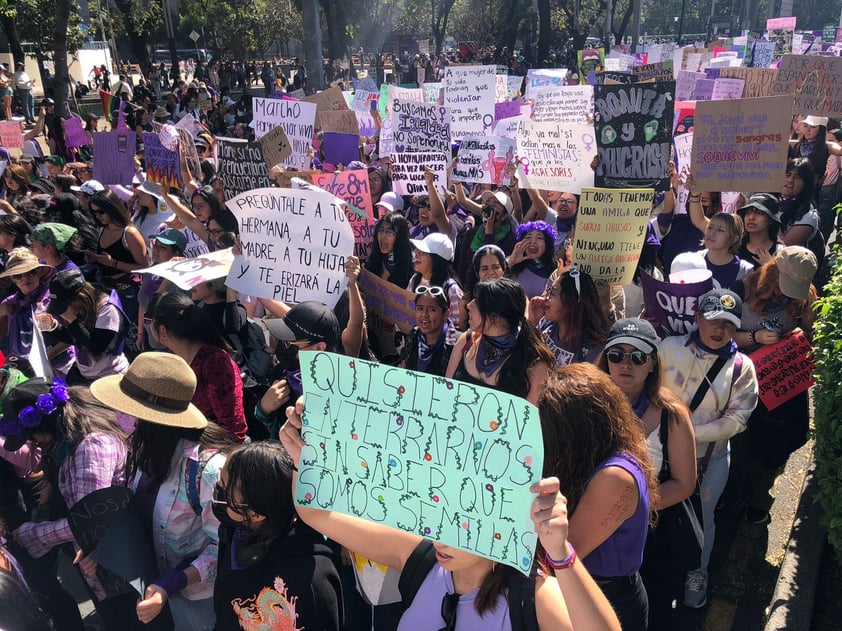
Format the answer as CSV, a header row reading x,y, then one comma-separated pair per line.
x,y
221,513
287,358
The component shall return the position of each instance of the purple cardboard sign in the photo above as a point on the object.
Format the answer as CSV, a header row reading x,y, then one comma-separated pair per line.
x,y
672,306
507,109
341,148
704,89
74,133
114,151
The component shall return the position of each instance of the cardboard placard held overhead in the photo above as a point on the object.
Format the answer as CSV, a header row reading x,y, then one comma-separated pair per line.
x,y
741,145
343,122
276,147
240,165
815,81
555,156
758,81
11,135
330,100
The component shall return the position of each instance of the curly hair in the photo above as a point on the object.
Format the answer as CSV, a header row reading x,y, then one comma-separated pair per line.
x,y
586,419
763,285
548,258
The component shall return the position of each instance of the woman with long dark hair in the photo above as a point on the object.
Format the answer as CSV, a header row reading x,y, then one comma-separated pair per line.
x,y
122,249
762,220
431,341
799,219
186,330
432,263
533,258
502,348
597,451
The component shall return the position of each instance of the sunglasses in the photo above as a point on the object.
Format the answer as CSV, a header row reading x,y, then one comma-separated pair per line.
x,y
220,500
434,291
299,344
616,356
148,320
566,202
29,274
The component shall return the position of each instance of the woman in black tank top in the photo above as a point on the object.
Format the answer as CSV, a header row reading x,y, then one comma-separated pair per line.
x,y
121,246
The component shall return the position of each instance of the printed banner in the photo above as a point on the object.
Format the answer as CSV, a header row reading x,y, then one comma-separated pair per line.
x,y
352,186
298,120
483,159
572,104
161,164
294,243
633,125
784,369
420,126
114,151
671,305
187,273
408,171
240,165
443,459
469,94
610,230
387,302
815,81
741,145
556,156
276,146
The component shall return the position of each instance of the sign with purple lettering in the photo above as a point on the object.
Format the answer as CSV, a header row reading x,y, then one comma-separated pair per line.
x,y
114,151
294,244
469,95
442,459
161,164
556,156
742,144
419,126
483,159
672,305
633,125
352,187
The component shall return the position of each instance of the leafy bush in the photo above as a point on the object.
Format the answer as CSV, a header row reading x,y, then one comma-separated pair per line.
x,y
827,397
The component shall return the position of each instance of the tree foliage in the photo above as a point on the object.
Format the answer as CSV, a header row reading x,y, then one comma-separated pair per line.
x,y
36,23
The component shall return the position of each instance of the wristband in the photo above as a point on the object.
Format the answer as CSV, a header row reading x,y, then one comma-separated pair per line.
x,y
751,338
695,198
172,582
564,563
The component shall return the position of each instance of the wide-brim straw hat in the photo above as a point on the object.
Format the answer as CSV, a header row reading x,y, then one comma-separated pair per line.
x,y
157,387
21,261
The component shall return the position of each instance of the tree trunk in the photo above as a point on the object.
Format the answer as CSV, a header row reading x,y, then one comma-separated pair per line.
x,y
62,80
311,24
544,32
138,43
10,28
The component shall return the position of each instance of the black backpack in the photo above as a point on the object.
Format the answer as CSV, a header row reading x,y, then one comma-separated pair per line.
x,y
521,588
250,353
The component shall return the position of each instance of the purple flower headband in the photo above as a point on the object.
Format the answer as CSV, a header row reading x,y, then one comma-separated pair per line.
x,y
31,416
543,226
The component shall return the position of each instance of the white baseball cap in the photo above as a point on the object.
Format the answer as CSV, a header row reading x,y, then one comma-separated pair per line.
x,y
91,187
435,243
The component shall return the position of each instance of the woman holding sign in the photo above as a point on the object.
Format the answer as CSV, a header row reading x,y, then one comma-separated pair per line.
x,y
778,301
463,591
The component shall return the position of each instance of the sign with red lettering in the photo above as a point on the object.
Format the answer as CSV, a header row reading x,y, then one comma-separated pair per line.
x,y
784,369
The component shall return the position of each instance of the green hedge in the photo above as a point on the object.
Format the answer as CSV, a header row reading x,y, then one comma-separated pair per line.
x,y
827,397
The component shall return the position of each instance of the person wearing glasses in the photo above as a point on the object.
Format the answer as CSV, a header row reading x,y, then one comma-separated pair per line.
x,y
464,590
431,341
266,553
185,329
173,467
631,360
571,318
122,249
205,206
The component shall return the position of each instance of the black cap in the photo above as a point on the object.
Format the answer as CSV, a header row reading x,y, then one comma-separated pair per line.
x,y
764,202
64,289
16,430
310,320
634,332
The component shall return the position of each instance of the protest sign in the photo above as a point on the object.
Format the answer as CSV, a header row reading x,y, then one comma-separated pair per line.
x,y
704,89
344,122
614,77
660,71
815,81
330,100
433,93
11,135
506,109
483,159
544,78
387,303
514,84
363,100
633,127
298,120
672,305
443,459
501,88
187,273
741,145
74,133
161,165
469,94
114,151
340,148
294,244
420,126
782,39
784,22
556,156
408,171
724,89
572,104
276,146
610,229
352,187
762,54
507,128
784,369
685,85
240,165
284,178
683,153
758,81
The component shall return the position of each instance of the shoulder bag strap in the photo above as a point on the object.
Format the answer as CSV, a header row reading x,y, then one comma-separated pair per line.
x,y
418,565
705,385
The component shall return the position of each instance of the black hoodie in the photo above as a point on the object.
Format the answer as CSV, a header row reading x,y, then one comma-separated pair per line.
x,y
299,571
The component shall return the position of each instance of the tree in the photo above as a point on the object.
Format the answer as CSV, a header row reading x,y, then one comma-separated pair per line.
x,y
8,20
139,21
439,14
